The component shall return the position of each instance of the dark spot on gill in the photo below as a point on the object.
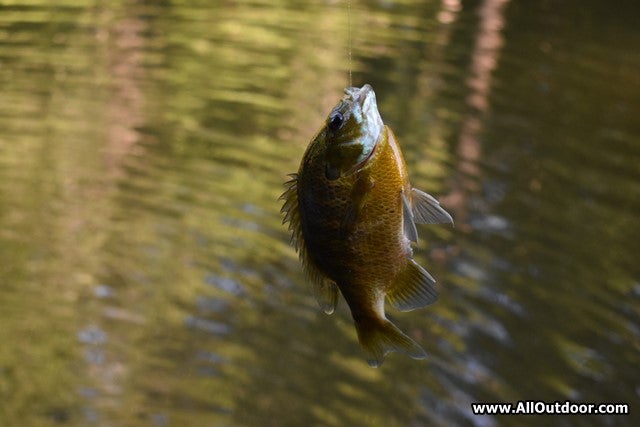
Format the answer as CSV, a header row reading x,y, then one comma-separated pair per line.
x,y
331,172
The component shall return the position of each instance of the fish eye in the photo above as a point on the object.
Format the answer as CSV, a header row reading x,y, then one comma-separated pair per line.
x,y
335,121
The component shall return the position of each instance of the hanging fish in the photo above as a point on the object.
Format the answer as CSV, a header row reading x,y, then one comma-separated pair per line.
x,y
352,213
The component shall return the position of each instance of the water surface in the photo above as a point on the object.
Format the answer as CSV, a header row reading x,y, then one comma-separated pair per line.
x,y
145,276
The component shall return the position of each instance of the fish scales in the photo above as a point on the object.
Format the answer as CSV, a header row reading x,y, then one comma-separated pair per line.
x,y
336,245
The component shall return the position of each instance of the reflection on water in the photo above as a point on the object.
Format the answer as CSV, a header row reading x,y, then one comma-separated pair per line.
x,y
145,278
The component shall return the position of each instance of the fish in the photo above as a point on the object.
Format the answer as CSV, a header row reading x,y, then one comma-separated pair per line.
x,y
352,215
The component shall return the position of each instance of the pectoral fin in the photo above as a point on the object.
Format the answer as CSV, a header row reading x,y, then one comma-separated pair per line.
x,y
408,221
427,210
359,193
326,293
414,288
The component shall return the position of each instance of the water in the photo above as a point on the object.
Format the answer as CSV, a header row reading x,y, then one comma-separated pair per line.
x,y
146,280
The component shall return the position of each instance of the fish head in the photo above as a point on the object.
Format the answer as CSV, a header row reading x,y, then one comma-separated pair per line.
x,y
352,131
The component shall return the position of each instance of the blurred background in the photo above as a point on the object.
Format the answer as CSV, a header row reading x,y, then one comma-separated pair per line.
x,y
145,276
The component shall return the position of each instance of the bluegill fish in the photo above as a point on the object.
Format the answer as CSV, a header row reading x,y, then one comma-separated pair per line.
x,y
352,213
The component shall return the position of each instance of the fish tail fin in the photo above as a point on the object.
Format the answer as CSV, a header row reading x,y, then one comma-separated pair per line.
x,y
378,336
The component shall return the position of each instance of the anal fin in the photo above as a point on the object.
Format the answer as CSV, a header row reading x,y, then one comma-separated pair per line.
x,y
413,288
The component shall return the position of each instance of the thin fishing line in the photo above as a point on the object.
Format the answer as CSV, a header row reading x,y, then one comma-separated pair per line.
x,y
350,42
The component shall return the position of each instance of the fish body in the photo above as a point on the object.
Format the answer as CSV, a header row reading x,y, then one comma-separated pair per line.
x,y
352,213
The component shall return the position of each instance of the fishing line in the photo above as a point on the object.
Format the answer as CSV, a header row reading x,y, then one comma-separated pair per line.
x,y
349,41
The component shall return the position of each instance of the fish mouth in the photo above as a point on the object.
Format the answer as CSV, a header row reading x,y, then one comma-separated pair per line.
x,y
364,110
365,97
359,94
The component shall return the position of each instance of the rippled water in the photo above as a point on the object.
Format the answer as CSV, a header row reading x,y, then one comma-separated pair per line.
x,y
146,280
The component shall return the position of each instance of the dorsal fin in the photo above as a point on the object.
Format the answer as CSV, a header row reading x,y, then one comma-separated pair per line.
x,y
326,292
413,288
291,211
426,209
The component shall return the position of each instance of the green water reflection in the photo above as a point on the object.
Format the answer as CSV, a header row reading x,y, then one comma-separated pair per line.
x,y
145,276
